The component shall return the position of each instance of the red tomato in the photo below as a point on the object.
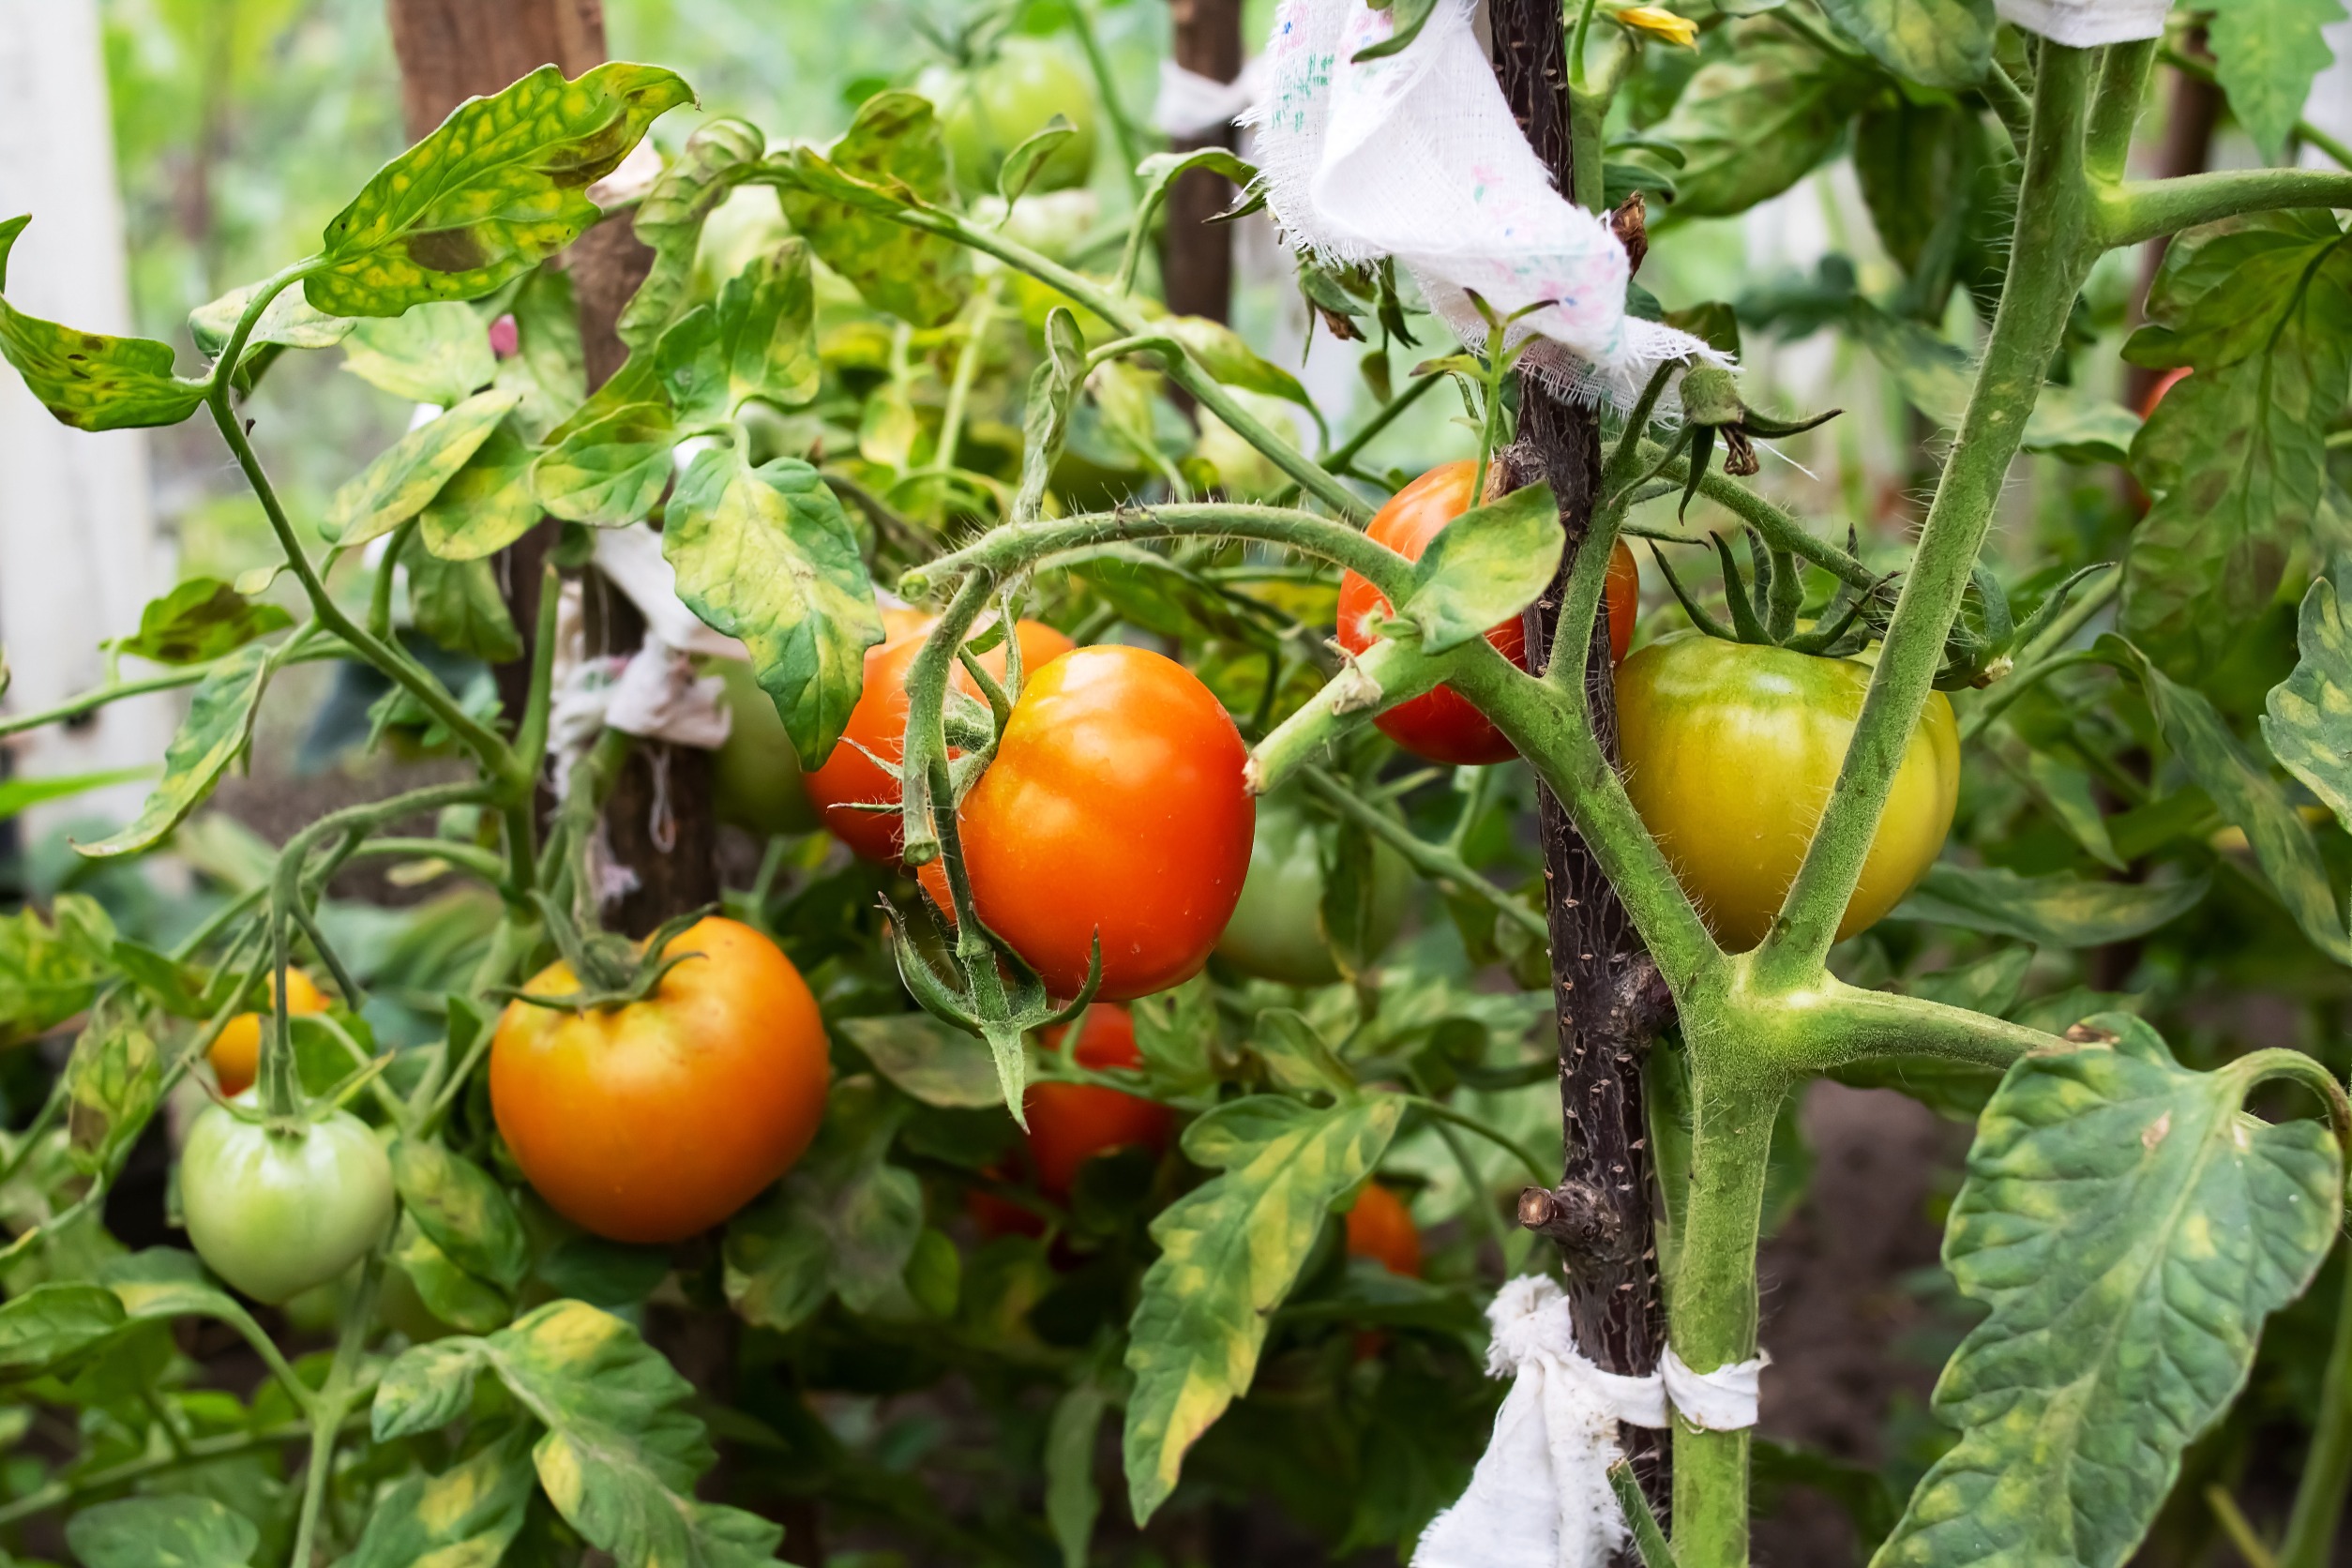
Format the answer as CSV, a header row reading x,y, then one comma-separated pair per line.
x,y
656,1121
1381,1228
851,780
1114,805
1070,1123
1443,725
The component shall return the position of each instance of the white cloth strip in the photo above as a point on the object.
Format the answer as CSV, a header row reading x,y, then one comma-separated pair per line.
x,y
1724,1401
1192,105
2084,24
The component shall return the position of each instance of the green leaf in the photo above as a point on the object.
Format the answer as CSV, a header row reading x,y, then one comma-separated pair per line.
x,y
758,342
1226,355
670,221
113,1083
461,1299
766,555
2130,1225
87,379
2235,455
2266,55
891,157
162,1532
1159,170
435,354
622,1449
219,722
51,1323
287,322
2055,910
934,1062
1053,390
844,1222
199,620
1935,377
1023,165
1073,1501
1485,566
2308,721
1939,44
2246,796
1297,1058
488,503
464,1517
457,605
1408,17
498,187
466,1212
406,475
1229,1251
1759,120
48,973
20,796
609,473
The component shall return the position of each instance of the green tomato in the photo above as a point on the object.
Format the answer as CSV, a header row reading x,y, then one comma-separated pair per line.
x,y
1276,932
274,1212
988,111
756,778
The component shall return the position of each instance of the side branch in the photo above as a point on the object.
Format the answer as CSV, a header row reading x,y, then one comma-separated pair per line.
x,y
2140,210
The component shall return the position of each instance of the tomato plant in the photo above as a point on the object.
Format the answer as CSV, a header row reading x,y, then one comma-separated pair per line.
x,y
574,1192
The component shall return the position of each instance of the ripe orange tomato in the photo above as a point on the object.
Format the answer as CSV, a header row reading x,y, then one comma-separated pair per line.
x,y
851,780
654,1121
1381,1228
1070,1123
236,1054
1114,804
2165,384
1441,725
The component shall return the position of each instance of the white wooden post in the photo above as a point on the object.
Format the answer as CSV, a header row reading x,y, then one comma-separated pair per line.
x,y
79,553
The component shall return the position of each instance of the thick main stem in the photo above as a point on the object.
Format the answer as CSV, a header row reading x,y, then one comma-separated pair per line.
x,y
2050,255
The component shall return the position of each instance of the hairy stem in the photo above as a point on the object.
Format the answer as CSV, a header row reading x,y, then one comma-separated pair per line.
x,y
2311,1528
2141,210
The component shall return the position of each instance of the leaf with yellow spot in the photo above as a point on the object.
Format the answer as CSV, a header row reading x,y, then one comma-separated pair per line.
x,y
89,380
500,185
464,1517
2131,1225
1229,1252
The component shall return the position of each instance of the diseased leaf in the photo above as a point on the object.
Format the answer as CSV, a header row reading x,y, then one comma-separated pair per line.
x,y
488,503
162,1532
2055,910
670,221
2266,55
1939,44
844,1221
767,555
1229,1251
1485,565
219,722
758,342
87,379
200,620
891,156
466,1212
934,1062
287,322
457,605
1756,122
464,1517
608,474
112,1082
463,1301
2247,796
2131,1225
396,486
2235,455
499,186
48,973
2308,721
436,354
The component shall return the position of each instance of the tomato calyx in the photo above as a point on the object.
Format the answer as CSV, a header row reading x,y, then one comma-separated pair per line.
x,y
612,971
1764,609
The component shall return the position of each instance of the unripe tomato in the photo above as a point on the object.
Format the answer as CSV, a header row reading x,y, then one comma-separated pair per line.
x,y
274,1212
654,1121
1114,805
1380,1228
851,780
1070,1123
1443,725
1729,752
1276,931
236,1052
756,781
988,111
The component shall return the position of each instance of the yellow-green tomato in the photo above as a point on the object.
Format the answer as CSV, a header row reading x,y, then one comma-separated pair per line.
x,y
755,778
1729,752
993,107
274,1212
1276,932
